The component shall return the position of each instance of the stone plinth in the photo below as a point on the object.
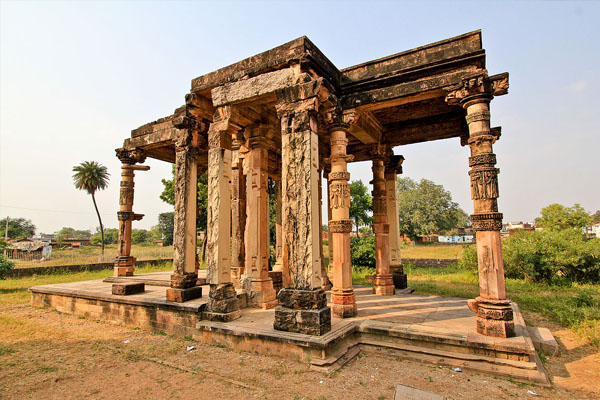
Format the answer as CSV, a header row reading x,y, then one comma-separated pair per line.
x,y
223,304
303,311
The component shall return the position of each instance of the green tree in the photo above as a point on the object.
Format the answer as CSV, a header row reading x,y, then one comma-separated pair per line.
x,y
168,196
556,217
166,225
425,208
110,236
17,228
361,205
92,176
140,236
5,264
70,233
596,217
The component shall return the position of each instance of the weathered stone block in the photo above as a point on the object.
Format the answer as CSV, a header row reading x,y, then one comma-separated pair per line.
x,y
221,292
344,310
400,281
125,289
222,317
184,281
224,305
302,299
181,295
309,322
496,328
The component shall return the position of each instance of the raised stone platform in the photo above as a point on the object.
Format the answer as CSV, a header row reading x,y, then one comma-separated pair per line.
x,y
434,329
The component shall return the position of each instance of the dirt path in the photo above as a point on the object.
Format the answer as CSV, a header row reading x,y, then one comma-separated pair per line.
x,y
47,355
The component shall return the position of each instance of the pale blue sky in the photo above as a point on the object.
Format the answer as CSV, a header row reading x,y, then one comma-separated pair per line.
x,y
76,77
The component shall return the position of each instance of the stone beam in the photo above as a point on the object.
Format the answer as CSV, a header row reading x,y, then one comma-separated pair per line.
x,y
366,129
246,90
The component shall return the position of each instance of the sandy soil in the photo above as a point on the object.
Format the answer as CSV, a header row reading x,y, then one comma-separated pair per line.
x,y
47,355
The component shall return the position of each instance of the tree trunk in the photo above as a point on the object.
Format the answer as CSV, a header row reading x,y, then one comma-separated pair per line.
x,y
204,247
101,226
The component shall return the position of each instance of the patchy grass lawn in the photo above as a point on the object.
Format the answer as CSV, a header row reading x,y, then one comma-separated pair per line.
x,y
91,255
445,251
15,290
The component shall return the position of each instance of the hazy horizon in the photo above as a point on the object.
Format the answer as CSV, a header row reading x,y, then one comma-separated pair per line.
x,y
77,77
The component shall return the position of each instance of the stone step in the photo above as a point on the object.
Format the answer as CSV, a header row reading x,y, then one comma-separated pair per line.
x,y
543,340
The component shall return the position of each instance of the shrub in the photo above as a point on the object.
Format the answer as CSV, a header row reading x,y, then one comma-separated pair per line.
x,y
362,251
468,259
547,256
5,266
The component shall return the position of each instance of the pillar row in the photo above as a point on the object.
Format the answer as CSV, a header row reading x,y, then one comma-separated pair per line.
x,y
392,168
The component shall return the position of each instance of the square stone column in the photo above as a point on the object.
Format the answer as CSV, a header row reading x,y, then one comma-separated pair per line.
x,y
184,278
257,281
223,304
392,168
303,306
124,263
493,309
384,284
325,282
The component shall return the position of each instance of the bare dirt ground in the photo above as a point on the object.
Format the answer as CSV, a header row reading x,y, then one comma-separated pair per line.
x,y
47,355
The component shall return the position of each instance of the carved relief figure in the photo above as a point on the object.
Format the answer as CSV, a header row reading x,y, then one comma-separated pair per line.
x,y
339,195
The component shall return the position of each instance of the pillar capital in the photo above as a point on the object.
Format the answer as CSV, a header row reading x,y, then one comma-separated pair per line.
x,y
393,164
381,151
130,156
338,119
477,88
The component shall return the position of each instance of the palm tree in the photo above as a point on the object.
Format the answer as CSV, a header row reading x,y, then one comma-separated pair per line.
x,y
91,176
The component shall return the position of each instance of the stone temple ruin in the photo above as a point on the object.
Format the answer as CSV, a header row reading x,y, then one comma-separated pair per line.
x,y
290,115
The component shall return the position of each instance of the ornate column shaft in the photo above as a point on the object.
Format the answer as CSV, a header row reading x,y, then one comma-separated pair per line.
x,y
257,281
383,281
124,263
329,234
184,278
340,225
238,210
303,306
223,304
392,169
493,309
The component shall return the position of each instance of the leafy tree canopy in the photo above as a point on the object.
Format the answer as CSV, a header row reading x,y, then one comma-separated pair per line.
x,y
361,205
556,217
70,233
110,236
596,216
168,196
17,228
425,208
166,225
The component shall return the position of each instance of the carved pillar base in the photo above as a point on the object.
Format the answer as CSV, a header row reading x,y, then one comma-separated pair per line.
x,y
303,311
399,277
494,317
261,292
124,266
223,304
384,285
344,303
183,288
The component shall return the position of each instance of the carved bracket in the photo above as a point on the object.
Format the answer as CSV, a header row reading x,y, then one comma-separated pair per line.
x,y
130,156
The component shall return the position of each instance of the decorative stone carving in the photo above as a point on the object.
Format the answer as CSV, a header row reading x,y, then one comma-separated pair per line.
x,y
339,195
484,183
339,176
482,159
130,156
340,226
487,222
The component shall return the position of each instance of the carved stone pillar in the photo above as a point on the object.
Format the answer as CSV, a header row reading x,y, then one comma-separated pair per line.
x,y
325,282
392,169
340,225
257,281
278,238
223,304
124,263
493,309
329,234
238,210
383,281
184,278
303,306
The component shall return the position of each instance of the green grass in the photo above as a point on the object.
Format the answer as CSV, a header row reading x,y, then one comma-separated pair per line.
x,y
445,251
91,255
15,290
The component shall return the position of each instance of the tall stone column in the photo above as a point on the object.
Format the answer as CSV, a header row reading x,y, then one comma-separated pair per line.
x,y
493,309
124,263
325,282
340,225
329,234
392,169
184,278
285,276
303,305
383,281
238,210
257,281
223,304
